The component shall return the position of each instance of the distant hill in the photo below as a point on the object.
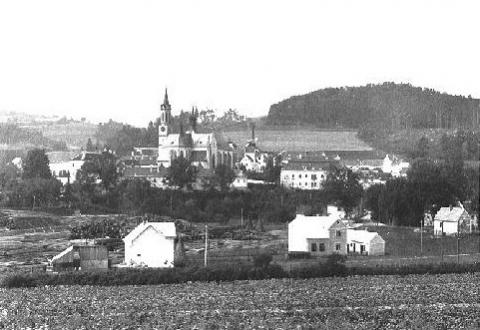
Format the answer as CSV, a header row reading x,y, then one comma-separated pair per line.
x,y
389,105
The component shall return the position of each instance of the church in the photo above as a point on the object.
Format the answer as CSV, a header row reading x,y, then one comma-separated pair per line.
x,y
205,151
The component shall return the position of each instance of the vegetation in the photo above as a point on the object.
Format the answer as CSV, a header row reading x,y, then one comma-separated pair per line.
x,y
389,105
380,302
12,134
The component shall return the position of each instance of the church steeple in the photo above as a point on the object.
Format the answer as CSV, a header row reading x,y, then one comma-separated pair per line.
x,y
165,116
165,99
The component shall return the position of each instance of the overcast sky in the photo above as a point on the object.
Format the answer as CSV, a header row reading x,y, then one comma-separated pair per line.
x,y
113,59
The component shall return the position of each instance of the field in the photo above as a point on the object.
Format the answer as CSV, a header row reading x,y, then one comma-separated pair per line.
x,y
302,140
386,302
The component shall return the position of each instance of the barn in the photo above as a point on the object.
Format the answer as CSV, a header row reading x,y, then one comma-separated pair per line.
x,y
151,244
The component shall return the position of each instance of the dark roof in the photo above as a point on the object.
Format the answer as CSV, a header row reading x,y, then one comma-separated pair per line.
x,y
310,164
132,172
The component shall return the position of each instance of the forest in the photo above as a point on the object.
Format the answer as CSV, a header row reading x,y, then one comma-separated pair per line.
x,y
389,105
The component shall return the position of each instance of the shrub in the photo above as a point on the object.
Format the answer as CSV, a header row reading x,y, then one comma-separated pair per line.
x,y
262,260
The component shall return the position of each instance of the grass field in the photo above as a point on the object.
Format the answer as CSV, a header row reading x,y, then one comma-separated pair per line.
x,y
301,140
374,302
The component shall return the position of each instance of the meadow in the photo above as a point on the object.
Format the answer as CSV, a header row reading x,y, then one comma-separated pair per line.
x,y
300,140
358,302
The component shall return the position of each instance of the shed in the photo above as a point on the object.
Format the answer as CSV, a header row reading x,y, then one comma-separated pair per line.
x,y
151,244
318,235
85,257
365,242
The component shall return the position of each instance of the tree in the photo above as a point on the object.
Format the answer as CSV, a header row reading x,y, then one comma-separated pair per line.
x,y
36,165
343,188
222,177
181,173
90,146
372,196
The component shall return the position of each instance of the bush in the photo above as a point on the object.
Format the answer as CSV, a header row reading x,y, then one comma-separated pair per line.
x,y
262,260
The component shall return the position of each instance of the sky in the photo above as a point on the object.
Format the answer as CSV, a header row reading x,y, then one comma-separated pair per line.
x,y
113,59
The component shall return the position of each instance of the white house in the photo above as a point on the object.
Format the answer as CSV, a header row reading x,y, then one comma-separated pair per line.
x,y
394,166
365,242
318,235
151,244
65,170
452,220
240,182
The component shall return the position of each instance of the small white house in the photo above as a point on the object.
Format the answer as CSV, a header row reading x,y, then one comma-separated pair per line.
x,y
452,220
240,182
365,242
318,235
151,244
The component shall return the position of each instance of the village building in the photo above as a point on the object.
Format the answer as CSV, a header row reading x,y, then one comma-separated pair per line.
x,y
365,242
151,244
81,257
240,182
65,165
306,173
394,166
452,220
317,235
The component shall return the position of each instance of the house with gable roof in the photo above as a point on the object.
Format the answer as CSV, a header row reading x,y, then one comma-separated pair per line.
x,y
317,235
151,244
452,220
365,242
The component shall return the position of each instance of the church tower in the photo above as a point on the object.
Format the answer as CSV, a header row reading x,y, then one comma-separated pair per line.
x,y
164,157
165,117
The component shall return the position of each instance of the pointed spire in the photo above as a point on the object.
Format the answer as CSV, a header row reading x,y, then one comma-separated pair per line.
x,y
165,99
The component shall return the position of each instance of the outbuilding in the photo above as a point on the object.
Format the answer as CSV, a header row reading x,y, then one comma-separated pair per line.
x,y
365,242
151,244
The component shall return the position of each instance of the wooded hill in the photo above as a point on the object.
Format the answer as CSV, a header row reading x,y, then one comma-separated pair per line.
x,y
389,105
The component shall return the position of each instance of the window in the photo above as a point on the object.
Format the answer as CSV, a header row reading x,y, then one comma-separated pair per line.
x,y
299,176
339,233
321,247
314,177
293,176
313,247
139,255
362,248
337,247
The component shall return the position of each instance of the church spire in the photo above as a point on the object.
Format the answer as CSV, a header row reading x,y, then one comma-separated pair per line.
x,y
165,99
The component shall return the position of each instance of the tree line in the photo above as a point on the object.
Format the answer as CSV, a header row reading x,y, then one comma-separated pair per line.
x,y
396,106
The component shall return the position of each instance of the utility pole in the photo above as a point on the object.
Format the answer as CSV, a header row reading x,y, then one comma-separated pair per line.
x,y
241,217
421,237
206,246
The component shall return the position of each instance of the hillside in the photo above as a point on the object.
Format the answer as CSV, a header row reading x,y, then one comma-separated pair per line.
x,y
389,105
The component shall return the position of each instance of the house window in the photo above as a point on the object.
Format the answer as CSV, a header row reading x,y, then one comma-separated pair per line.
x,y
314,177
339,233
321,247
313,247
139,255
299,176
337,247
362,248
293,176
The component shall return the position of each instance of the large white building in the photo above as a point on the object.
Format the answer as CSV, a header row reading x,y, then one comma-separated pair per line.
x,y
65,165
306,173
452,220
151,244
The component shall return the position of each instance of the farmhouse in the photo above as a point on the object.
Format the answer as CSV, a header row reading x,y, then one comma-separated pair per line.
x,y
365,242
151,244
317,235
84,257
452,220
